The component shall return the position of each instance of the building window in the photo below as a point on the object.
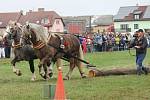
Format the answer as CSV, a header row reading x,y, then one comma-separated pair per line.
x,y
57,30
124,26
45,21
137,16
57,21
136,26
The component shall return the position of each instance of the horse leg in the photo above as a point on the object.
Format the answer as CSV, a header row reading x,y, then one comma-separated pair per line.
x,y
43,62
31,63
46,72
41,72
79,64
72,66
50,69
15,70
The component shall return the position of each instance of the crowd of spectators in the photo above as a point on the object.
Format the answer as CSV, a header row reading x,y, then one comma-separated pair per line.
x,y
99,42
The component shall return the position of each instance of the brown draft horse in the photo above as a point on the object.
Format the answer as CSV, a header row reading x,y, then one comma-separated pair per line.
x,y
21,52
54,47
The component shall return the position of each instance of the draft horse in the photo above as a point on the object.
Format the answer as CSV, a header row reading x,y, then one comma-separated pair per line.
x,y
53,46
21,52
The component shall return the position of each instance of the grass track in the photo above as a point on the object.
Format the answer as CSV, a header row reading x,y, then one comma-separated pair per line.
x,y
124,87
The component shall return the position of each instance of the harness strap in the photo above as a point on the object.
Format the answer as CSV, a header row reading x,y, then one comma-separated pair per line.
x,y
16,45
131,53
62,46
39,45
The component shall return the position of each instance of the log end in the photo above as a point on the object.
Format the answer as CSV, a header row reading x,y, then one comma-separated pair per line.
x,y
91,73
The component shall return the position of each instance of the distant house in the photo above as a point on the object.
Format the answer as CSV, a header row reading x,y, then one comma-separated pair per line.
x,y
131,18
102,23
75,24
50,19
76,27
87,24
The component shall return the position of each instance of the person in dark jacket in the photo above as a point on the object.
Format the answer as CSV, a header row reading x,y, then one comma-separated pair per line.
x,y
140,44
7,46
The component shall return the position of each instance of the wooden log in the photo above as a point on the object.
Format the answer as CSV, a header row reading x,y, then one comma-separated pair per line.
x,y
117,71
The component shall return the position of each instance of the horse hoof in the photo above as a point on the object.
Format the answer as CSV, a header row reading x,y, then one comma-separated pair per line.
x,y
32,79
66,78
50,74
42,74
84,76
18,72
45,77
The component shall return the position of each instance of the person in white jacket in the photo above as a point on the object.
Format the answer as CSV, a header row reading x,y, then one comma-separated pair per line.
x,y
2,51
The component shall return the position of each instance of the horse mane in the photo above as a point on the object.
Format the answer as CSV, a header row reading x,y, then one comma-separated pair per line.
x,y
41,32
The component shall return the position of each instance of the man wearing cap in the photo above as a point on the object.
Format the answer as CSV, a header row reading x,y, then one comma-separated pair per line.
x,y
140,44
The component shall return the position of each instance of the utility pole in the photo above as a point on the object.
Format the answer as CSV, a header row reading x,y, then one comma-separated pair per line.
x,y
19,16
90,28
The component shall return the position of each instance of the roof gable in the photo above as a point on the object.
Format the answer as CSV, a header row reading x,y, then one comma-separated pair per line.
x,y
124,11
147,13
127,13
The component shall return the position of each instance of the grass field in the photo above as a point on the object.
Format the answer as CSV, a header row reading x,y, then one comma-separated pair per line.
x,y
125,87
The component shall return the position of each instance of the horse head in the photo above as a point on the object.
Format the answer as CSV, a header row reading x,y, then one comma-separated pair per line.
x,y
13,30
35,32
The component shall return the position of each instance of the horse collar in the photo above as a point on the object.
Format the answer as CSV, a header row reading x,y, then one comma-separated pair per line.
x,y
16,45
39,45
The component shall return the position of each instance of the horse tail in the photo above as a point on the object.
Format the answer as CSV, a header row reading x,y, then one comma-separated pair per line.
x,y
81,52
79,63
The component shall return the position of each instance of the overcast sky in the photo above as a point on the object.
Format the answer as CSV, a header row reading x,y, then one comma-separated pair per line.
x,y
70,7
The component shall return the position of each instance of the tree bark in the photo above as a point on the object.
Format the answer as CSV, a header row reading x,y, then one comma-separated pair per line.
x,y
117,71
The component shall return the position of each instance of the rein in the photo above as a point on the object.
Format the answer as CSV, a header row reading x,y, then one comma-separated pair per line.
x,y
129,50
131,53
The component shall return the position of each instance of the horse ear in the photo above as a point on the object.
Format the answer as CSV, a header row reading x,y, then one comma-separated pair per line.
x,y
27,25
15,23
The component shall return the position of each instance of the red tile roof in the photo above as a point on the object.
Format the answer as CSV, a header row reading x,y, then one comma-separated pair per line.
x,y
5,17
32,16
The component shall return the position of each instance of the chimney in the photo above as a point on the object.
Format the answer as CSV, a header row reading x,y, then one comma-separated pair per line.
x,y
40,9
30,11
